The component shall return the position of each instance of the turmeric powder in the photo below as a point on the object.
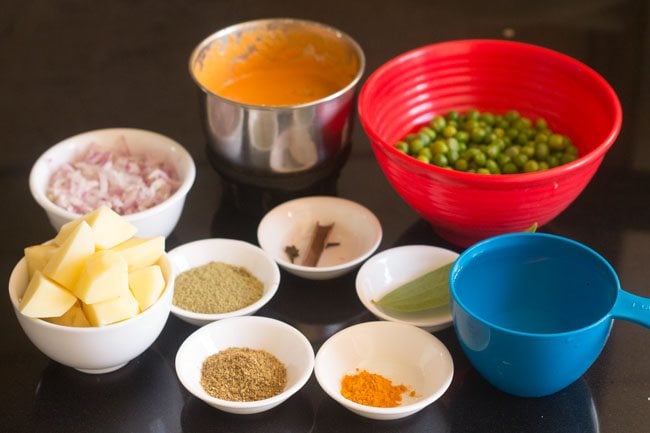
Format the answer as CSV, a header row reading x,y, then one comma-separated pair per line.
x,y
372,389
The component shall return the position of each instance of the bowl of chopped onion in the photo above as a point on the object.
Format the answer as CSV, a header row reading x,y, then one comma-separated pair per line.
x,y
142,175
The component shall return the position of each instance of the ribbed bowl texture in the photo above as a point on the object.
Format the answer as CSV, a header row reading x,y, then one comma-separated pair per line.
x,y
496,76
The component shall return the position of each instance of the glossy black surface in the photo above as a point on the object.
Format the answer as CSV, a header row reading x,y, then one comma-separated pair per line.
x,y
73,66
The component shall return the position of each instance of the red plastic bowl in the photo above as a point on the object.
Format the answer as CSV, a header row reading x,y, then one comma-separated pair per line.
x,y
496,76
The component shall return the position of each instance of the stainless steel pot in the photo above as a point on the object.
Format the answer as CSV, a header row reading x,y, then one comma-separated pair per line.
x,y
286,147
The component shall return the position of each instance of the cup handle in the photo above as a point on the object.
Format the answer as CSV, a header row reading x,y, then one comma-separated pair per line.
x,y
633,308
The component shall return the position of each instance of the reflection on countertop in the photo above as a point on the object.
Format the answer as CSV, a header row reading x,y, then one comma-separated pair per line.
x,y
479,407
144,396
294,415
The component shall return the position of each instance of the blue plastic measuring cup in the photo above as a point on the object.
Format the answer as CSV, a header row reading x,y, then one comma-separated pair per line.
x,y
533,311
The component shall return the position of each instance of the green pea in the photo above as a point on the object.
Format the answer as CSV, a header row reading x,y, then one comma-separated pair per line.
x,y
402,146
520,160
541,137
512,150
462,136
480,159
510,168
522,139
530,166
438,123
512,133
428,131
492,151
477,135
461,164
528,150
415,146
439,147
440,160
541,151
449,131
424,138
492,166
425,151
503,159
483,142
452,156
453,144
556,142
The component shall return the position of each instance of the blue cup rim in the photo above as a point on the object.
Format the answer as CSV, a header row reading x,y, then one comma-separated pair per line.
x,y
482,245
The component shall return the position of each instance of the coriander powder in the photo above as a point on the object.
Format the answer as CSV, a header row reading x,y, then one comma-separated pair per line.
x,y
216,287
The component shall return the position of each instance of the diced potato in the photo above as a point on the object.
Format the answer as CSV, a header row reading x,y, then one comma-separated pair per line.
x,y
146,284
109,228
45,298
73,317
141,252
104,276
65,231
37,257
111,311
67,261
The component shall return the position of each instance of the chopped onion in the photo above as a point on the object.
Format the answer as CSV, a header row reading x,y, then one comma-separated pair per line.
x,y
112,176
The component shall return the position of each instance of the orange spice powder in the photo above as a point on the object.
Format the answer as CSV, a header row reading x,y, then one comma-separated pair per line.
x,y
372,389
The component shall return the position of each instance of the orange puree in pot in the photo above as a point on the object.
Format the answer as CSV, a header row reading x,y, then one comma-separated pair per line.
x,y
279,67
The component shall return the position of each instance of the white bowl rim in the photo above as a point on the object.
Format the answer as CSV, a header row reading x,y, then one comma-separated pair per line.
x,y
169,288
323,269
183,189
300,382
438,322
412,407
266,296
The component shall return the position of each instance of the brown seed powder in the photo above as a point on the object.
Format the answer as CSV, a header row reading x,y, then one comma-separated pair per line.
x,y
243,374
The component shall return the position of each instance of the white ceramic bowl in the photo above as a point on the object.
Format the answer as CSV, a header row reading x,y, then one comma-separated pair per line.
x,y
158,220
233,252
402,353
356,229
391,268
284,342
94,349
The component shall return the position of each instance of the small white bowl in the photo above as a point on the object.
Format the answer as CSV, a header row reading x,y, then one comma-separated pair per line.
x,y
393,267
402,353
233,252
284,342
158,220
94,350
356,229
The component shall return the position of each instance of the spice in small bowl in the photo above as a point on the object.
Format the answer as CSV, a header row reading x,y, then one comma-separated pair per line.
x,y
245,365
221,278
243,374
319,237
216,287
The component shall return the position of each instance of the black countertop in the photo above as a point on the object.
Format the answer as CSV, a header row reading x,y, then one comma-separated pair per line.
x,y
73,66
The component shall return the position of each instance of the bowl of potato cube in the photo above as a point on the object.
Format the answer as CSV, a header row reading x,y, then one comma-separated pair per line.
x,y
95,296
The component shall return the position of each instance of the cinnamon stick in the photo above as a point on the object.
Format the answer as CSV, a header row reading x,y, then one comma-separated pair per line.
x,y
317,244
